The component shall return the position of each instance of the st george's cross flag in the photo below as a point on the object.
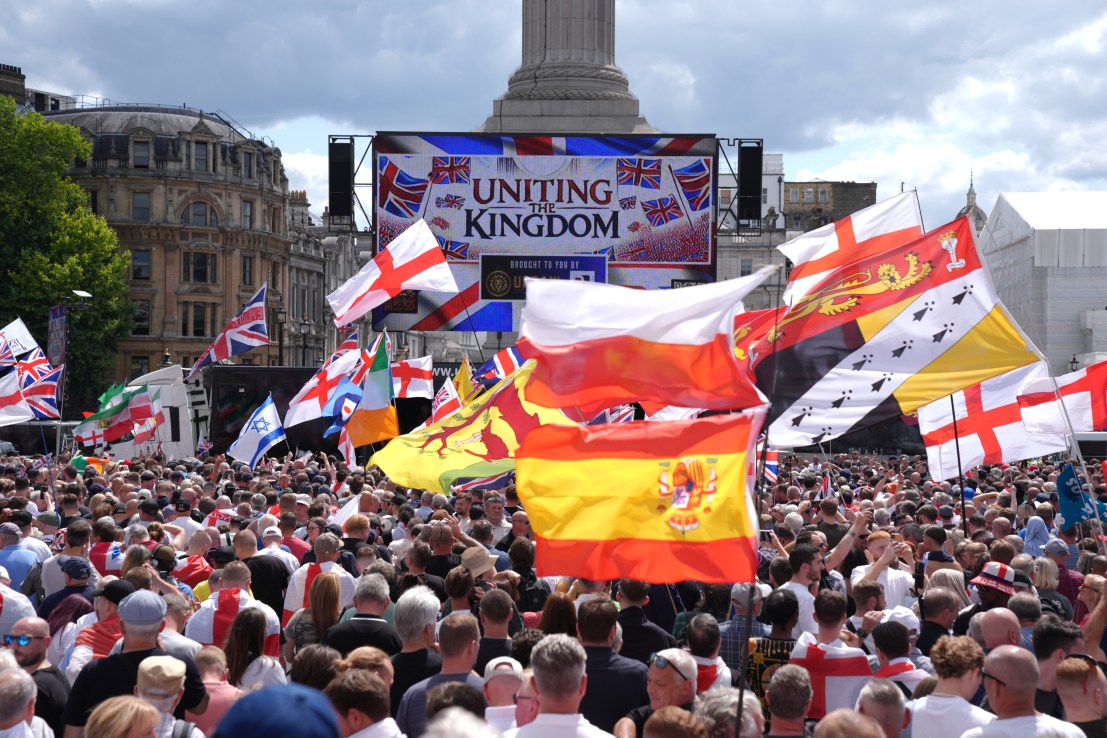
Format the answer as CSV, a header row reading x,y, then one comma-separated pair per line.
x,y
1084,393
591,342
13,405
838,673
309,402
413,378
299,587
989,425
245,332
261,432
412,261
211,623
867,232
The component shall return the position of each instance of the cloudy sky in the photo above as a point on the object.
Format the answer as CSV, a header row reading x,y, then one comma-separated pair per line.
x,y
847,90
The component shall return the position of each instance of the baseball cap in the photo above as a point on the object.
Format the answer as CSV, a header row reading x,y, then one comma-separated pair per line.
x,y
160,677
10,529
222,555
183,505
503,666
996,576
116,590
272,531
739,593
902,615
150,507
49,519
165,557
477,560
271,710
303,500
75,567
147,476
141,607
945,511
327,543
119,509
1056,546
22,518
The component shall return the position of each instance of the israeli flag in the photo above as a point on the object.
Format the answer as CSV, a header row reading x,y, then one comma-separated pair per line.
x,y
262,432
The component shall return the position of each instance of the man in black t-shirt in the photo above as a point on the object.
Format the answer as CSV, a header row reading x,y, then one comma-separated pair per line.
x,y
268,574
30,639
367,627
415,615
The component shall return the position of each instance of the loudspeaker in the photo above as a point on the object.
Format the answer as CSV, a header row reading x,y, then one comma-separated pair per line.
x,y
749,180
341,160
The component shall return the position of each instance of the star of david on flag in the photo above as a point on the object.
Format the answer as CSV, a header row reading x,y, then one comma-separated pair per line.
x,y
261,432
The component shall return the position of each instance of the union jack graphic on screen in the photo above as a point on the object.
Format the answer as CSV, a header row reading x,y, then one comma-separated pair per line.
x,y
695,180
454,249
42,395
33,368
397,192
246,331
627,203
450,201
639,173
450,169
662,210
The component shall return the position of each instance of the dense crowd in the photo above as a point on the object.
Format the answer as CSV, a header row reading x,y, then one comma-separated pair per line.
x,y
197,598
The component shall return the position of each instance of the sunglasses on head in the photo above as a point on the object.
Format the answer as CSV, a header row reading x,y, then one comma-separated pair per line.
x,y
662,662
23,640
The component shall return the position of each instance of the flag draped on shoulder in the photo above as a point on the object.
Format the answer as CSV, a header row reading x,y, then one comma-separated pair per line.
x,y
477,441
413,378
412,261
246,331
868,232
989,425
886,335
660,502
13,405
599,345
1084,394
261,432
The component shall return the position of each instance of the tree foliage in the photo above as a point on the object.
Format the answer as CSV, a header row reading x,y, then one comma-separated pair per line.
x,y
51,243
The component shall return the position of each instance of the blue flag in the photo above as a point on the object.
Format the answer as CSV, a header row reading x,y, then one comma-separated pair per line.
x,y
342,404
261,432
1075,505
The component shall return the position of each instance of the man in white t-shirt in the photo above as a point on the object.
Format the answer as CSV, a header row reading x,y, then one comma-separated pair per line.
x,y
807,569
885,557
947,711
1010,680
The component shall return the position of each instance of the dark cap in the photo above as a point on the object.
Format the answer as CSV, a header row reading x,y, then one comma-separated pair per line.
x,y
270,710
183,505
223,555
96,488
22,518
119,509
945,512
148,476
165,557
150,507
116,590
75,567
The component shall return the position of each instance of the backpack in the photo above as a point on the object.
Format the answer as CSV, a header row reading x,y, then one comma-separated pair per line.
x,y
533,594
182,729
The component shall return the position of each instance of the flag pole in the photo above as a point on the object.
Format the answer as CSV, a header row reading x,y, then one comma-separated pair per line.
x,y
960,469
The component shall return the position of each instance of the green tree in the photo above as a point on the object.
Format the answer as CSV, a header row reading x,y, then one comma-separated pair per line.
x,y
51,243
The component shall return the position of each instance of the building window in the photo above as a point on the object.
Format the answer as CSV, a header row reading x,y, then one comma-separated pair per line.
x,y
274,273
808,195
248,214
248,164
142,318
140,265
745,267
94,201
248,271
198,266
793,194
197,319
200,154
199,214
764,195
139,365
795,221
142,154
247,361
140,207
823,195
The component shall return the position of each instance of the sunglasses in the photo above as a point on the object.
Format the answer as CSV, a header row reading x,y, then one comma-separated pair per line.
x,y
23,640
662,662
994,678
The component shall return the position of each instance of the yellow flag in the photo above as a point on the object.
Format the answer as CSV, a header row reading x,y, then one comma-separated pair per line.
x,y
463,382
477,441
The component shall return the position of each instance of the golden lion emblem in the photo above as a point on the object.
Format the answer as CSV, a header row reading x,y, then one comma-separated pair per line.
x,y
687,486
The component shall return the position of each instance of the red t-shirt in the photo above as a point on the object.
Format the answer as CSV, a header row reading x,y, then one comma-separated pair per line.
x,y
297,546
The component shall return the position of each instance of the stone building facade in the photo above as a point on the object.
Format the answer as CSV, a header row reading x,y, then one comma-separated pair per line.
x,y
810,205
202,209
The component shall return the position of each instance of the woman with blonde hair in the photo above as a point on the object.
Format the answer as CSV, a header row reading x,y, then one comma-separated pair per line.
x,y
1091,592
1046,579
309,624
371,659
123,717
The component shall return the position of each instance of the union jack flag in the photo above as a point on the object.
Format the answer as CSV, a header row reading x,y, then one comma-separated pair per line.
x,y
349,343
450,170
42,395
7,358
639,173
635,226
626,203
246,331
397,192
499,481
440,222
504,363
662,210
454,249
695,180
450,201
204,447
33,368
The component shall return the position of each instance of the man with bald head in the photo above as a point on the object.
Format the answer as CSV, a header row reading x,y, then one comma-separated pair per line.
x,y
28,641
1001,628
1011,679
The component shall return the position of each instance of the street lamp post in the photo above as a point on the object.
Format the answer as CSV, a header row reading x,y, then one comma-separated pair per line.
x,y
305,328
282,316
1074,364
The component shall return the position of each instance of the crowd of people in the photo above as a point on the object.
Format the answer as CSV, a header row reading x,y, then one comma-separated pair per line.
x,y
201,598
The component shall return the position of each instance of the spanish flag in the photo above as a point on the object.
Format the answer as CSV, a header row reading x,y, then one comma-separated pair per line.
x,y
661,502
